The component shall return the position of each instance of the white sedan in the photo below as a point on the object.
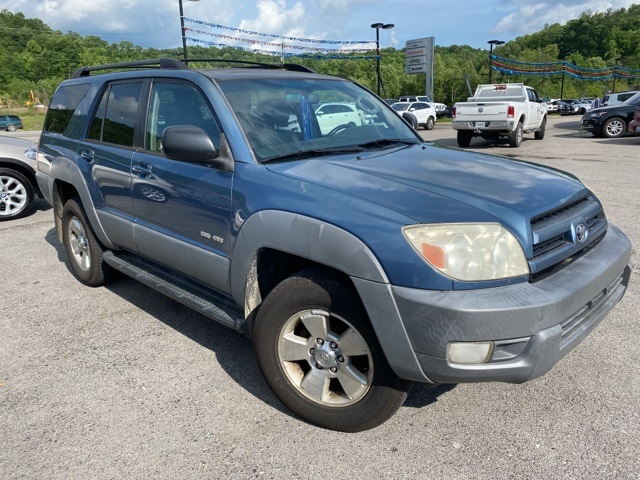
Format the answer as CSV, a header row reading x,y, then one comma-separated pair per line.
x,y
425,113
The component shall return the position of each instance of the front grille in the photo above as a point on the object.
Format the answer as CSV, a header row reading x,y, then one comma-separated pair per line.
x,y
555,236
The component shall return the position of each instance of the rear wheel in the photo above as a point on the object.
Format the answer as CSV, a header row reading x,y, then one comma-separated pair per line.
x,y
515,137
464,138
430,123
320,356
614,127
83,249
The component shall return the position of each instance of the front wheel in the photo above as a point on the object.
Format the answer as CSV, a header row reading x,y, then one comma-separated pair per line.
x,y
11,128
539,135
16,194
515,137
83,249
320,356
614,127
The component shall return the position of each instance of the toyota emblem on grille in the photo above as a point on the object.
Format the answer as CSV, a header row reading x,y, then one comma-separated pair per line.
x,y
582,232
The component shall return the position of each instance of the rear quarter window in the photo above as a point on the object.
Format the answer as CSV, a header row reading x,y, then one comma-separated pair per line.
x,y
63,105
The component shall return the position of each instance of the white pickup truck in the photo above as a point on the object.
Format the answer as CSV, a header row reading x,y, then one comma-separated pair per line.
x,y
500,111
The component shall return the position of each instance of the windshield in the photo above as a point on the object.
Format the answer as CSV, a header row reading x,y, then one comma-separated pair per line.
x,y
400,107
635,100
301,117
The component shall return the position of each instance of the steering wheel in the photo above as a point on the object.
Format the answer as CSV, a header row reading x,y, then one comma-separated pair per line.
x,y
340,128
366,105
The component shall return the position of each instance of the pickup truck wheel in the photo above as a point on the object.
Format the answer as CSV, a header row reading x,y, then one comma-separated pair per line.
x,y
614,127
464,138
515,137
539,135
430,123
83,249
320,356
16,194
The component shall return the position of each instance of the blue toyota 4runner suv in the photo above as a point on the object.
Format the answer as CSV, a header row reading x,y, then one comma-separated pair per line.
x,y
357,257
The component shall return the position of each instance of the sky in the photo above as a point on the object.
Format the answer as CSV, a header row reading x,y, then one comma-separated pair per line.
x,y
156,23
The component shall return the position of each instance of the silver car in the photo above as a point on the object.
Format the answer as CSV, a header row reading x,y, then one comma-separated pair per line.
x,y
18,186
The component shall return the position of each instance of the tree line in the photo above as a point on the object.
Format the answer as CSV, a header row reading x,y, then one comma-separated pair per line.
x,y
37,58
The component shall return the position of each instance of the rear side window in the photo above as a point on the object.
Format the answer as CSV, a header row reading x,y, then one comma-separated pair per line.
x,y
115,118
63,105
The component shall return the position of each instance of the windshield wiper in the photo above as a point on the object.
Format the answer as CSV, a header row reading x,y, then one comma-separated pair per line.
x,y
386,142
300,154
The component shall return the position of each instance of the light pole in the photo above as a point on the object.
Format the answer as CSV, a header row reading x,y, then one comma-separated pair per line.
x,y
564,58
615,70
378,26
184,38
491,44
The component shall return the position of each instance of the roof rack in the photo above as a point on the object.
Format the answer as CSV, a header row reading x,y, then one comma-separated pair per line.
x,y
170,63
182,64
293,67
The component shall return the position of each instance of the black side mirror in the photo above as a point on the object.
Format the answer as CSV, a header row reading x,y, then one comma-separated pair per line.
x,y
189,143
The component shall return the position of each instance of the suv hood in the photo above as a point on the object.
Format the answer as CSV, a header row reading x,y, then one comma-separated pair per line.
x,y
439,184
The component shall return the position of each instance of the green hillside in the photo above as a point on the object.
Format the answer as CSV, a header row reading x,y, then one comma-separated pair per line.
x,y
36,58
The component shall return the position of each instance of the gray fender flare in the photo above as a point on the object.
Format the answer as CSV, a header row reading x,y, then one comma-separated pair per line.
x,y
334,247
66,170
303,236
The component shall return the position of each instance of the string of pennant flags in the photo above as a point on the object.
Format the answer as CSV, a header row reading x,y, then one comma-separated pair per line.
x,y
288,46
278,45
515,67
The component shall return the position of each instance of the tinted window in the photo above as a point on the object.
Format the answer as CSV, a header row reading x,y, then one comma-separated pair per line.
x,y
174,104
63,105
115,118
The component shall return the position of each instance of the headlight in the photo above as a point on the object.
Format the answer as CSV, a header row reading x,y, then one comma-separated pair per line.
x,y
469,252
598,114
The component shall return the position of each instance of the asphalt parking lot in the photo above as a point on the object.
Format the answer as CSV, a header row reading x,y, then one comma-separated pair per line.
x,y
120,382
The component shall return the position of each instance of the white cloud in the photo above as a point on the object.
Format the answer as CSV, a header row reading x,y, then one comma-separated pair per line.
x,y
531,16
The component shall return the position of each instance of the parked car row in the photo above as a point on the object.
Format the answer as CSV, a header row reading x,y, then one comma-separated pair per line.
x,y
611,121
573,106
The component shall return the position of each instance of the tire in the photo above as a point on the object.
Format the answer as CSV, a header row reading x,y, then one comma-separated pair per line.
x,y
614,127
464,138
539,135
320,356
83,249
411,119
16,194
430,123
515,137
11,128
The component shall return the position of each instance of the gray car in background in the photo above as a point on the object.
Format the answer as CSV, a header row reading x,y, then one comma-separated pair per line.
x,y
18,186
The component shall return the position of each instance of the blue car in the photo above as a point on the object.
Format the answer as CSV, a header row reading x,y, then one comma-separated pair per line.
x,y
358,259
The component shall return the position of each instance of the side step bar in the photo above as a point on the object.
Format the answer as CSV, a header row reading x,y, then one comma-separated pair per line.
x,y
178,287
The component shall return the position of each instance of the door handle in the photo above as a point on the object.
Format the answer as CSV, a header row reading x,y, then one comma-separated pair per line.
x,y
88,155
142,170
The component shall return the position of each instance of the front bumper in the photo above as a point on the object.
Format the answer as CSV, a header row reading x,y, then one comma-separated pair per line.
x,y
533,325
591,124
